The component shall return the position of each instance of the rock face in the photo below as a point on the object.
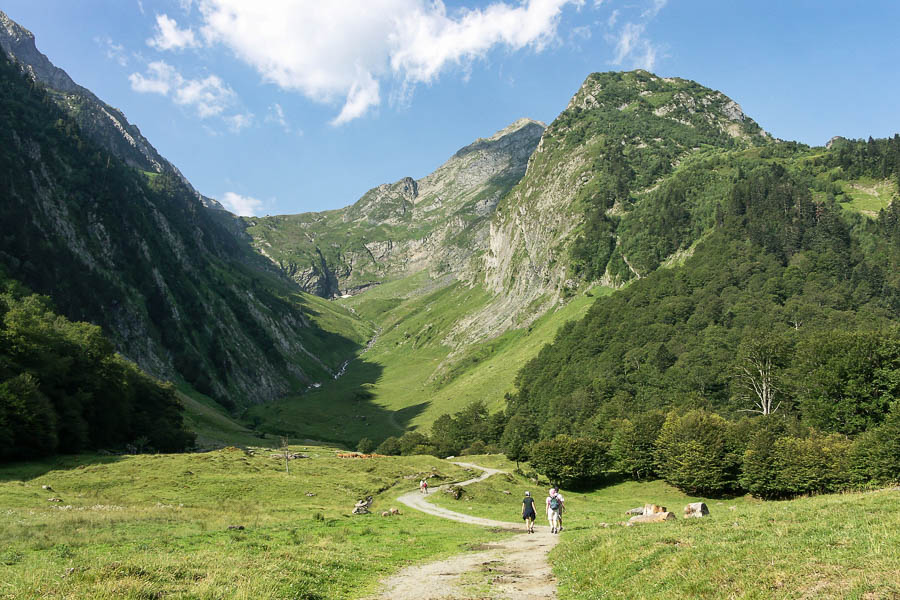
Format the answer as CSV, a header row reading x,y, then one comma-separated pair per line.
x,y
172,284
438,222
105,125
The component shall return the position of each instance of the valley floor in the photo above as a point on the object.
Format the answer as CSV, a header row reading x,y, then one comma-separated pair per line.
x,y
234,524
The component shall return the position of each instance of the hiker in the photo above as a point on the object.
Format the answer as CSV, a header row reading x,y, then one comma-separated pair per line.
x,y
562,507
528,512
423,485
554,510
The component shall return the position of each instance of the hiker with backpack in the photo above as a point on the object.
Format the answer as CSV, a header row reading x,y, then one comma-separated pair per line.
x,y
554,510
423,486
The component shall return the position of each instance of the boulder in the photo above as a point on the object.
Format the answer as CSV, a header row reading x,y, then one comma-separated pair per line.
x,y
394,511
235,528
695,510
652,509
658,517
635,511
362,507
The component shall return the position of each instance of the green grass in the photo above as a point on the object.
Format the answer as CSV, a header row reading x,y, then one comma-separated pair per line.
x,y
157,526
410,376
867,195
830,546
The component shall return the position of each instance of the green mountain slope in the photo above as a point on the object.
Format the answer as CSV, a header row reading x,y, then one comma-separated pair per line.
x,y
788,267
173,284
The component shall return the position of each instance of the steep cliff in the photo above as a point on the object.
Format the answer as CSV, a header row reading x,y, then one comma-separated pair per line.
x,y
168,280
438,222
620,135
103,124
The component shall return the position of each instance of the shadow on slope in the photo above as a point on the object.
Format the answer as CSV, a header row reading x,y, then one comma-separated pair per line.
x,y
342,410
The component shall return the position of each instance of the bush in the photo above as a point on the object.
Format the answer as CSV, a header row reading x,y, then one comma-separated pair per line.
x,y
389,447
568,461
817,464
411,441
633,444
875,456
693,453
365,445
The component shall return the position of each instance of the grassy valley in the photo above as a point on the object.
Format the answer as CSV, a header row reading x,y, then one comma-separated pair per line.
x,y
158,526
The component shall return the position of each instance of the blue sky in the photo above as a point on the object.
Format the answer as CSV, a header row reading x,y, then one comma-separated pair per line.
x,y
286,106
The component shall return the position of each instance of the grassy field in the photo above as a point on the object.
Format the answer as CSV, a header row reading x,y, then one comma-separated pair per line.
x,y
408,378
830,546
157,526
867,195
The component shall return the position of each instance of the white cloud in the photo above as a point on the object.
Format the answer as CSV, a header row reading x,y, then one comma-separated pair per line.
x,y
246,206
114,51
161,77
140,6
632,47
239,121
613,17
276,115
209,96
169,37
653,9
346,51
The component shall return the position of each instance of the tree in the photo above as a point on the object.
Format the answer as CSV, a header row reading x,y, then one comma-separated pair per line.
x,y
389,447
365,445
693,453
761,358
566,460
519,434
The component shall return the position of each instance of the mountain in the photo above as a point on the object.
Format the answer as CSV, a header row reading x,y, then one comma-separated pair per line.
x,y
103,124
464,291
438,222
174,285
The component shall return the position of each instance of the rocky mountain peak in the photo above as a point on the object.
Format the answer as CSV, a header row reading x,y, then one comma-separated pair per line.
x,y
18,43
641,93
105,125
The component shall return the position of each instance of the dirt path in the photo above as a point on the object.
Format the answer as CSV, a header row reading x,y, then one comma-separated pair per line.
x,y
513,569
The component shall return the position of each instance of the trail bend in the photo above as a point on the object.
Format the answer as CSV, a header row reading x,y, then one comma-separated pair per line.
x,y
515,568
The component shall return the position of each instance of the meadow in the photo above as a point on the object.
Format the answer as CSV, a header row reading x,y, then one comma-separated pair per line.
x,y
167,526
828,546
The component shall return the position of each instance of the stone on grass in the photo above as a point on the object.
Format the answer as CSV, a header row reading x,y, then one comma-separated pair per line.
x,y
695,510
362,507
635,511
652,509
235,528
658,517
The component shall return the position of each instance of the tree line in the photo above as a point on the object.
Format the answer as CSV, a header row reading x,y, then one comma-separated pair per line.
x,y
63,389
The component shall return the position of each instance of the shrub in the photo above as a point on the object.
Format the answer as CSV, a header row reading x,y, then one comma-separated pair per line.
x,y
389,447
694,455
817,464
365,445
875,456
633,444
568,461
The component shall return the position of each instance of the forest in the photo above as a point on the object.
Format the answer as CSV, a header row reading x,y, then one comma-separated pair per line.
x,y
768,362
63,389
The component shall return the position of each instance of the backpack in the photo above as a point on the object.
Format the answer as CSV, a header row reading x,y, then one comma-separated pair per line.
x,y
554,503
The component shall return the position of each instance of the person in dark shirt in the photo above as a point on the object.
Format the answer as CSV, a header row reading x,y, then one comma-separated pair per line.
x,y
528,512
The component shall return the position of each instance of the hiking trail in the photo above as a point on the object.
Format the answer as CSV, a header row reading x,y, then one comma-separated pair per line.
x,y
514,568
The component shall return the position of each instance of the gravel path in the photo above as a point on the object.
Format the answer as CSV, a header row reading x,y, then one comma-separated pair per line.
x,y
516,568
